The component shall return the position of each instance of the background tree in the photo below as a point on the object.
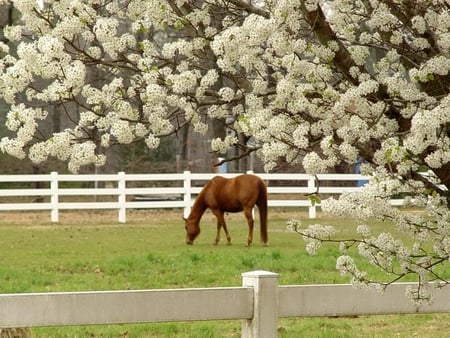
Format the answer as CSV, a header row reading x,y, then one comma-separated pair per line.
x,y
311,82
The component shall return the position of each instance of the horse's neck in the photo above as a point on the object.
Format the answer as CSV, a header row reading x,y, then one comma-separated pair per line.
x,y
198,209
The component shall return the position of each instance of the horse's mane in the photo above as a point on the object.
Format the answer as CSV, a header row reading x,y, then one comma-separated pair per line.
x,y
200,204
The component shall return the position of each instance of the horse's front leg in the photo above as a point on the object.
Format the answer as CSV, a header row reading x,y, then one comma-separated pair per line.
x,y
221,223
249,215
226,233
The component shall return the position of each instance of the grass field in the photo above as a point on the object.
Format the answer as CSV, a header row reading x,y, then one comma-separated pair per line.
x,y
91,251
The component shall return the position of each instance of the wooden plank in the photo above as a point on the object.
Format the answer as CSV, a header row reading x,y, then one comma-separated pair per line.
x,y
288,190
88,205
87,177
342,177
87,191
157,191
155,177
284,177
154,204
25,192
25,206
25,178
345,300
116,307
337,190
288,203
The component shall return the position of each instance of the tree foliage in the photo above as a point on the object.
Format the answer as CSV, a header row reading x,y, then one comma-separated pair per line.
x,y
321,82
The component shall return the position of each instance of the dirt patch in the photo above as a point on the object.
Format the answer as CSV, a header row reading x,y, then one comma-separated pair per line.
x,y
80,217
133,217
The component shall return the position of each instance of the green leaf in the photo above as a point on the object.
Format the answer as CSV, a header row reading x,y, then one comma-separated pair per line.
x,y
314,199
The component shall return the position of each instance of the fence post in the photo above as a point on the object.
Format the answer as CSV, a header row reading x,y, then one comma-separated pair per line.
x,y
265,305
187,193
122,196
54,198
312,189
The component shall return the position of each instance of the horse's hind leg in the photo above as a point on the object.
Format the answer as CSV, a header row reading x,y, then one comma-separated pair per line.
x,y
249,215
226,233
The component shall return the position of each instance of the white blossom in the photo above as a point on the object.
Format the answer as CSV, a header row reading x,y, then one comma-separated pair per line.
x,y
347,267
152,141
226,94
364,230
13,33
221,146
122,131
82,154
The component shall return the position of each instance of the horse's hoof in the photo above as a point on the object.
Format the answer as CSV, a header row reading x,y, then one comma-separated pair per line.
x,y
228,243
189,242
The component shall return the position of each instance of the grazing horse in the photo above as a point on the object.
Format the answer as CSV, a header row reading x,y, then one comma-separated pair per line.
x,y
222,195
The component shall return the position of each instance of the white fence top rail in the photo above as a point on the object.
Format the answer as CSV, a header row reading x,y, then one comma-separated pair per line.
x,y
124,306
344,300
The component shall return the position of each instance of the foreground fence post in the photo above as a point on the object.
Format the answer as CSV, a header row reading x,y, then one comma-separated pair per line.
x,y
264,323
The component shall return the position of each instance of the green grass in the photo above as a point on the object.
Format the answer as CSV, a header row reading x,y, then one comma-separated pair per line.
x,y
91,251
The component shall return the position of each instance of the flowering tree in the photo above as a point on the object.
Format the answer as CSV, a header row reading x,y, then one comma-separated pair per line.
x,y
321,82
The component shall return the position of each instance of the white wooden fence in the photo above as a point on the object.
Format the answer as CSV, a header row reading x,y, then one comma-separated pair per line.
x,y
259,302
141,191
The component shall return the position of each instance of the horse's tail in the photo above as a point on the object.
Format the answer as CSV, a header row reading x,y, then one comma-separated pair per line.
x,y
262,207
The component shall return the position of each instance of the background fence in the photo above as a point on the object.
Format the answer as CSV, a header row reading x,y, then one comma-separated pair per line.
x,y
121,191
259,302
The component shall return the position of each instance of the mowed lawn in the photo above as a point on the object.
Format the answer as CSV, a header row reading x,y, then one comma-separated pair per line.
x,y
92,251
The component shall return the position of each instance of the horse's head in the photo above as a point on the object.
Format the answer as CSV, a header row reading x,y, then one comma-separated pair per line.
x,y
192,230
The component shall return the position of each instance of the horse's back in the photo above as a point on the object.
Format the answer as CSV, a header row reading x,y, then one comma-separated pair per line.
x,y
242,183
234,194
248,180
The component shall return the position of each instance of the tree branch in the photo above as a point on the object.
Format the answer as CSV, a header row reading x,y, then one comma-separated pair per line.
x,y
325,34
249,8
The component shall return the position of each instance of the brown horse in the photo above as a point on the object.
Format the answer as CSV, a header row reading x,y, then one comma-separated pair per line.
x,y
222,195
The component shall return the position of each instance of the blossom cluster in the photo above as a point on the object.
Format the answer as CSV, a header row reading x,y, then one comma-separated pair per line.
x,y
221,146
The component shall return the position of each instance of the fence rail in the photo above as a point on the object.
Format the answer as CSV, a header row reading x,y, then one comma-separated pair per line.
x,y
259,302
142,191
